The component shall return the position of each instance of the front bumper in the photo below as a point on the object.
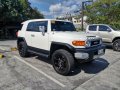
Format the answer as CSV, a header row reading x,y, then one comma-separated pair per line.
x,y
88,54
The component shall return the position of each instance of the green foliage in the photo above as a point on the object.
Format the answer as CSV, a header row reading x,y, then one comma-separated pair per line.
x,y
78,29
17,11
104,11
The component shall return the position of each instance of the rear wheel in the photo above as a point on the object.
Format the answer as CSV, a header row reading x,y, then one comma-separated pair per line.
x,y
63,61
116,45
22,48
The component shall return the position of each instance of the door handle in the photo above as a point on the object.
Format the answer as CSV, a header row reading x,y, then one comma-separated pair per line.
x,y
32,35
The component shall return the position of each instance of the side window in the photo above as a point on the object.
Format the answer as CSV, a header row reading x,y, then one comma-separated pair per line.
x,y
41,24
30,26
34,26
103,28
93,28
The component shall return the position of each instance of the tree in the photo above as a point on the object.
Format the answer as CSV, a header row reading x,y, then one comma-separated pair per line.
x,y
104,11
12,13
17,11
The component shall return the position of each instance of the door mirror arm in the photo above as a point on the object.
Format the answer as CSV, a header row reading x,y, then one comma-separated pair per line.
x,y
42,29
109,30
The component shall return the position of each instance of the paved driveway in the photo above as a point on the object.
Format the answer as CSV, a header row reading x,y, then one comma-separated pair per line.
x,y
37,73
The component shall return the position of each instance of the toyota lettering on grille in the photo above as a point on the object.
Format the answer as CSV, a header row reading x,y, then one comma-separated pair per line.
x,y
94,43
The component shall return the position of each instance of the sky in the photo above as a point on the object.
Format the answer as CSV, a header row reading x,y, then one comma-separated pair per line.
x,y
56,8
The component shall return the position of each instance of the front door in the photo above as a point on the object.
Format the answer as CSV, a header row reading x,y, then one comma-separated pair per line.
x,y
40,40
92,29
104,33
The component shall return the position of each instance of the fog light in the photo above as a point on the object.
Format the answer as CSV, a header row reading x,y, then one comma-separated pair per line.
x,y
81,55
100,51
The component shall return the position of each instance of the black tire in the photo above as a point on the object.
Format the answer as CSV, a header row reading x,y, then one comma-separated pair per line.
x,y
22,48
116,45
63,61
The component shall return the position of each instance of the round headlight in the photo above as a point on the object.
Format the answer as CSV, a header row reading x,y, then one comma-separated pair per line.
x,y
88,44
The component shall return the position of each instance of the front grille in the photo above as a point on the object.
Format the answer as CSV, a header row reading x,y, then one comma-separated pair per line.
x,y
96,42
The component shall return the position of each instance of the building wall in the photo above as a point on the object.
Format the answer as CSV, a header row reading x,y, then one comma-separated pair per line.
x,y
78,23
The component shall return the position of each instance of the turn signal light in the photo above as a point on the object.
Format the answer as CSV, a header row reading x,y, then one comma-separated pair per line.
x,y
78,43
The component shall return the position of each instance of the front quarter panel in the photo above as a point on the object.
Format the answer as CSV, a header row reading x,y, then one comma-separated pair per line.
x,y
64,39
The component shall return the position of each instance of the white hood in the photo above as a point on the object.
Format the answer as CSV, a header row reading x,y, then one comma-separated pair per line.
x,y
75,35
68,37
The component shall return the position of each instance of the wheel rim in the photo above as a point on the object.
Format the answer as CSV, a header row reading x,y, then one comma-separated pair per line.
x,y
117,46
60,62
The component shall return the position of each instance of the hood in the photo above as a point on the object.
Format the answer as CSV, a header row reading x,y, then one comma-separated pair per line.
x,y
68,37
75,34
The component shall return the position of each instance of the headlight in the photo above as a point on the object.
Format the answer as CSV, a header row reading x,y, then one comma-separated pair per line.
x,y
88,43
78,43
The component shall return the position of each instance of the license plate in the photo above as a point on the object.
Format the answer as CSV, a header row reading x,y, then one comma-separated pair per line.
x,y
100,51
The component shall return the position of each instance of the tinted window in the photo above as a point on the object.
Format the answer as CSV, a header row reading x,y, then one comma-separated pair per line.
x,y
93,28
103,28
34,26
30,26
62,26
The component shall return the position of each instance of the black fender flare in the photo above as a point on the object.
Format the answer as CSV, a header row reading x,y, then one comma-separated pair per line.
x,y
58,45
19,39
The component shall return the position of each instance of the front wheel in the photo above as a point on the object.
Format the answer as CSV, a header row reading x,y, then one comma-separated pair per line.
x,y
63,61
116,45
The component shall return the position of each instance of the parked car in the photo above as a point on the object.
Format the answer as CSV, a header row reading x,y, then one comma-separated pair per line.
x,y
108,34
59,41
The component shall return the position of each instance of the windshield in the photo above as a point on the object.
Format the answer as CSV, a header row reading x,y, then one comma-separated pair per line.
x,y
62,26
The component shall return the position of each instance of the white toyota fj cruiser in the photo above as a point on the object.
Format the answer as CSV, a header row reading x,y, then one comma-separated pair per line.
x,y
59,41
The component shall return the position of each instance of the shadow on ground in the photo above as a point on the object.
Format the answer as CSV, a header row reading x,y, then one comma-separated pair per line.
x,y
91,68
109,46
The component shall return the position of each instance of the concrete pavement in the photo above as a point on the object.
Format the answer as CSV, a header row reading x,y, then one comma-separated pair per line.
x,y
109,79
102,74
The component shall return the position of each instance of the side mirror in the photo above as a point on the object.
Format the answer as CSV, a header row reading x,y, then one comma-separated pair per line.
x,y
109,30
42,29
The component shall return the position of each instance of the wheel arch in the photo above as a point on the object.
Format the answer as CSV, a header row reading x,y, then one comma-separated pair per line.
x,y
58,45
20,39
115,39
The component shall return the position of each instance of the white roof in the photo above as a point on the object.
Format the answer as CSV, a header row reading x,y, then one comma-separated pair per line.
x,y
42,20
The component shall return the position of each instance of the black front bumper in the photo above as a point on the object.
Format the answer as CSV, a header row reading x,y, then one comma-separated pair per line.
x,y
92,52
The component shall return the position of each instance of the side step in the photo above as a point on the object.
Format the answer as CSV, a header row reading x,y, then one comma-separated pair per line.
x,y
38,53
